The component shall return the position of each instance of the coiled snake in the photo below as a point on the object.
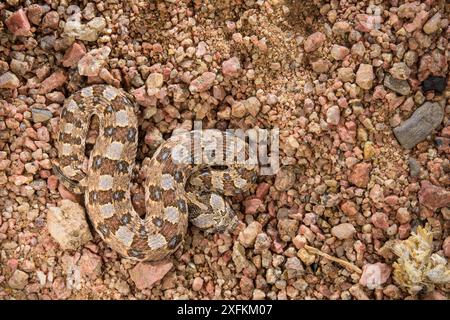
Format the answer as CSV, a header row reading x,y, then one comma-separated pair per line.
x,y
179,187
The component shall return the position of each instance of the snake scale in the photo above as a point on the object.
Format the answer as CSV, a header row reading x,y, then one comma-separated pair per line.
x,y
179,186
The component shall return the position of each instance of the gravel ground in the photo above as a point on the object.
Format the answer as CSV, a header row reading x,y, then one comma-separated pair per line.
x,y
359,91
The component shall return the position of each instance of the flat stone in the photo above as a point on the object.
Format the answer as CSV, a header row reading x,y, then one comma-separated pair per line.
x,y
400,86
144,274
68,226
41,115
434,83
9,80
18,23
422,122
18,280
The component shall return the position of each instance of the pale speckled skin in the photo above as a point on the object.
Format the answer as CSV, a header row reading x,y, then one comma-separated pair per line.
x,y
174,192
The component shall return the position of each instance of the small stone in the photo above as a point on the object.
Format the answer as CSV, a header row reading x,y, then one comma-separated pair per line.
x,y
154,82
434,83
73,55
18,23
35,13
414,167
349,208
18,280
346,74
333,115
252,205
41,115
231,67
9,80
197,284
360,174
294,267
314,41
92,62
202,83
288,229
239,258
90,265
369,150
143,99
422,122
339,52
258,294
432,25
380,220
248,236
284,180
145,274
238,109
365,76
433,197
403,215
343,231
55,80
446,247
400,86
68,226
400,71
374,275
307,258
321,65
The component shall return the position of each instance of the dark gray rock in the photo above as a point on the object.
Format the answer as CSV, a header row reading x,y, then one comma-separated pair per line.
x,y
400,86
414,167
422,122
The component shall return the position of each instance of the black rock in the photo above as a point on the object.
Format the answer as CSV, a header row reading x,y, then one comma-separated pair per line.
x,y
434,83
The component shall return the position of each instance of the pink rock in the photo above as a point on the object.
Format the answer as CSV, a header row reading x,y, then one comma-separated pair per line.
x,y
343,231
143,99
90,264
375,275
203,82
433,197
418,22
262,190
248,236
434,64
380,220
197,284
321,65
339,52
231,67
446,247
55,80
144,275
73,55
360,174
314,41
52,182
404,230
35,13
252,205
349,208
367,23
18,23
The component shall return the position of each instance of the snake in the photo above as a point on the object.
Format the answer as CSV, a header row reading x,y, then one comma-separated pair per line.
x,y
185,180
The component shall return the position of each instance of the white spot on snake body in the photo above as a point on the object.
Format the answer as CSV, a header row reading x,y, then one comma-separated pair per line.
x,y
216,202
114,151
122,118
125,235
156,241
107,210
66,149
109,93
105,182
68,128
71,105
203,221
87,92
171,214
167,182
